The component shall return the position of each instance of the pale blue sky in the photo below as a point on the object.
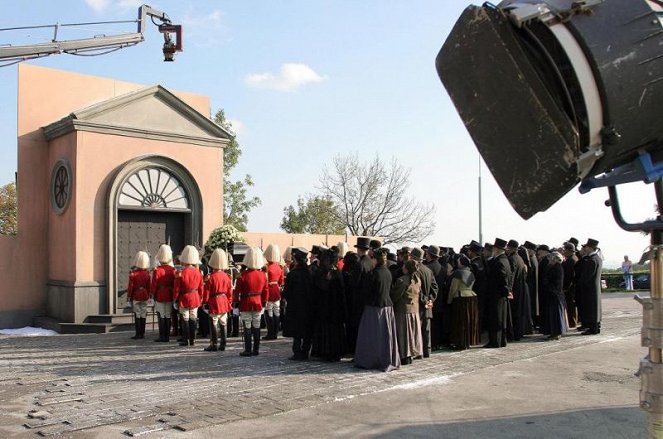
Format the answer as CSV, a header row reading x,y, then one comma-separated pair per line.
x,y
361,79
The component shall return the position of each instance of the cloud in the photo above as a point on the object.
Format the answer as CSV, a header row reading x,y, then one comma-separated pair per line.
x,y
98,5
236,126
291,77
206,30
130,4
213,20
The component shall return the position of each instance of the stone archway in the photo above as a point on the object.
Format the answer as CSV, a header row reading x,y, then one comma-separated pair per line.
x,y
152,200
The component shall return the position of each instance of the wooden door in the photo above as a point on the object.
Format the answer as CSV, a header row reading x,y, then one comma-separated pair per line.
x,y
146,231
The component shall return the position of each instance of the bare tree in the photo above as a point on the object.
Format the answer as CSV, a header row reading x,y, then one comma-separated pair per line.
x,y
372,199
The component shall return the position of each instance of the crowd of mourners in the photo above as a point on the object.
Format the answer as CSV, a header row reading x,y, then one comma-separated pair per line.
x,y
381,308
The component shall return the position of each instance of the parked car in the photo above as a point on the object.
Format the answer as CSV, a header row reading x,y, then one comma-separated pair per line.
x,y
640,282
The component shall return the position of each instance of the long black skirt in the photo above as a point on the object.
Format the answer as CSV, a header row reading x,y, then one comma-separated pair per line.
x,y
465,325
377,346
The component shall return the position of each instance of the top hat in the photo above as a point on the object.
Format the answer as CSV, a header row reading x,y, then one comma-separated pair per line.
x,y
543,247
574,241
593,243
500,243
512,243
374,243
363,242
434,251
417,253
475,247
529,245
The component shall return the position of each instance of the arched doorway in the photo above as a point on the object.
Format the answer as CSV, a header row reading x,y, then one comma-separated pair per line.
x,y
153,200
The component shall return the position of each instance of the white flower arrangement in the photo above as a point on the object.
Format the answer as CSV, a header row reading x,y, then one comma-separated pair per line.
x,y
223,236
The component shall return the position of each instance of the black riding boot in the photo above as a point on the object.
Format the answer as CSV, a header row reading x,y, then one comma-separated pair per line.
x,y
222,338
143,322
136,328
256,340
192,332
185,334
166,330
269,324
247,343
160,338
212,339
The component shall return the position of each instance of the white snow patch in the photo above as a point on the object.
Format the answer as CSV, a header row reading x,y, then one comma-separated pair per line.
x,y
28,331
444,379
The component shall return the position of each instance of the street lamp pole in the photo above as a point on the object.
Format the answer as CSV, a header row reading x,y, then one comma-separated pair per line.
x,y
480,207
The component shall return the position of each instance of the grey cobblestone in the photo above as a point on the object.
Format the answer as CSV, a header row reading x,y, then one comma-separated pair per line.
x,y
82,382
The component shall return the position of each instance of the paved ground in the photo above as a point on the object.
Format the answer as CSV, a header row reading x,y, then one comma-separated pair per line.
x,y
89,386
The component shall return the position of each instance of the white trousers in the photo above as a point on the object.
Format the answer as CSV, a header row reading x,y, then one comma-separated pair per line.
x,y
163,309
251,319
189,313
140,309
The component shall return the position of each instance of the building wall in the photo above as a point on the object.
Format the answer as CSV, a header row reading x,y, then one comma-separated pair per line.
x,y
39,251
283,240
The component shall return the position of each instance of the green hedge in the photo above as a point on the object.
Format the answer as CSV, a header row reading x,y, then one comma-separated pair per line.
x,y
614,279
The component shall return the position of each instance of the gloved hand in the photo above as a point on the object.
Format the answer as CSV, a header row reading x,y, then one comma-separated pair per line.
x,y
129,304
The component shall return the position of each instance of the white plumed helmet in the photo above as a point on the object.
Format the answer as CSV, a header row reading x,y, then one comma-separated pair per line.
x,y
165,254
343,248
272,254
190,255
142,260
219,260
253,258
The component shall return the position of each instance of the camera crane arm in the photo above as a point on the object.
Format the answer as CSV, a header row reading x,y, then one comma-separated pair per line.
x,y
14,54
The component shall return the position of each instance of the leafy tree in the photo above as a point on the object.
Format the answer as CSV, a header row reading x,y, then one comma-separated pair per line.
x,y
8,209
372,199
236,202
315,214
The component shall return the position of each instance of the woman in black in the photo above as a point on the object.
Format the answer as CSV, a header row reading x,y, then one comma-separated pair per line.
x,y
377,346
329,339
297,292
555,305
465,329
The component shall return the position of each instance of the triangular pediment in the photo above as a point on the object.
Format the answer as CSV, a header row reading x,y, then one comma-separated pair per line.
x,y
149,112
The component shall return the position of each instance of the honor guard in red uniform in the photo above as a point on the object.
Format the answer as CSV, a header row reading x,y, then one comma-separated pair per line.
x,y
218,297
251,293
138,292
163,281
274,287
188,293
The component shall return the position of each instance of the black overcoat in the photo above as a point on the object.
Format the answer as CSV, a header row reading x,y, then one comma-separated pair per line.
x,y
588,288
298,293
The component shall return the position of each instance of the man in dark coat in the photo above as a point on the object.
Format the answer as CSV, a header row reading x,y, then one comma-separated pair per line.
x,y
521,310
543,255
588,287
439,323
297,291
360,279
499,291
532,280
480,272
429,291
570,261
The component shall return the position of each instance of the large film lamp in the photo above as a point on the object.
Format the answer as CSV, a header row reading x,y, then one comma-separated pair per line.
x,y
557,91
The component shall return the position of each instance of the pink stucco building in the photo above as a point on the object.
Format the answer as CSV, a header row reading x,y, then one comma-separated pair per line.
x,y
105,168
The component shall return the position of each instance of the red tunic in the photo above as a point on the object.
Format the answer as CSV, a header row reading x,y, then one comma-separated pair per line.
x,y
251,291
163,280
274,281
340,264
189,288
139,285
218,293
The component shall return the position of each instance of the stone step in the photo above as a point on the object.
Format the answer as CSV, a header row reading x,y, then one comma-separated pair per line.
x,y
90,328
110,318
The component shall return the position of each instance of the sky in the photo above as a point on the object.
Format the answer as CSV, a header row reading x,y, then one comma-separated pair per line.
x,y
303,81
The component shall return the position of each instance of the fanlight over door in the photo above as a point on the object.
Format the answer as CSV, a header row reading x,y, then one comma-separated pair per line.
x,y
153,188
